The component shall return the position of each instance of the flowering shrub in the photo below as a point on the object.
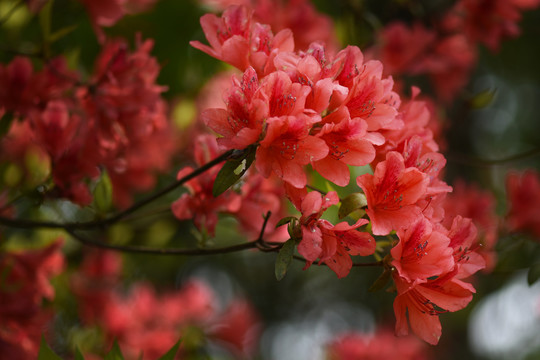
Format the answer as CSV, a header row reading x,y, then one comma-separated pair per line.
x,y
314,151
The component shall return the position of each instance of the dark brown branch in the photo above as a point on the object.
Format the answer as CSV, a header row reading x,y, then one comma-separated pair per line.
x,y
260,240
165,251
103,223
258,243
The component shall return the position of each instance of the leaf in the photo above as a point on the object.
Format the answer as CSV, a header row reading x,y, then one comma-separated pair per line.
x,y
115,353
534,274
5,123
482,99
381,281
171,354
78,354
352,203
45,16
57,35
45,352
103,193
45,20
232,171
284,258
285,220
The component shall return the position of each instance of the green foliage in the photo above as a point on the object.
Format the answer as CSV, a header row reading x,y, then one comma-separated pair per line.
x,y
45,352
233,170
103,193
78,354
115,353
5,123
170,355
285,220
284,258
534,274
381,281
352,203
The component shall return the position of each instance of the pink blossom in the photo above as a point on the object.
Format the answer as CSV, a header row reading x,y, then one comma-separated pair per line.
x,y
421,300
25,285
523,192
199,203
382,345
392,193
469,201
332,244
422,252
287,147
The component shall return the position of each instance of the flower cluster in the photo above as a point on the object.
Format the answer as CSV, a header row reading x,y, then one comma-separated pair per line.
x,y
248,204
301,108
25,285
447,51
117,123
470,201
382,345
524,203
143,321
300,16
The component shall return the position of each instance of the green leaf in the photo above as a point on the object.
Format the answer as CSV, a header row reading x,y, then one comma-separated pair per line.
x,y
482,99
103,193
232,171
285,220
295,230
115,353
5,122
57,35
45,16
78,354
381,281
45,20
284,258
171,354
45,352
534,273
352,203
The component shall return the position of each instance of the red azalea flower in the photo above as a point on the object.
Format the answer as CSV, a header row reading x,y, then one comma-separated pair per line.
x,y
382,345
524,202
287,147
199,203
237,328
403,50
332,244
471,202
422,252
347,146
259,196
392,193
236,39
228,36
284,98
25,284
240,124
424,300
464,242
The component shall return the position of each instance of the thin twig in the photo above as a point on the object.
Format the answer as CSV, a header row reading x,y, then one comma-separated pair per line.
x,y
165,251
103,223
258,243
376,263
260,239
